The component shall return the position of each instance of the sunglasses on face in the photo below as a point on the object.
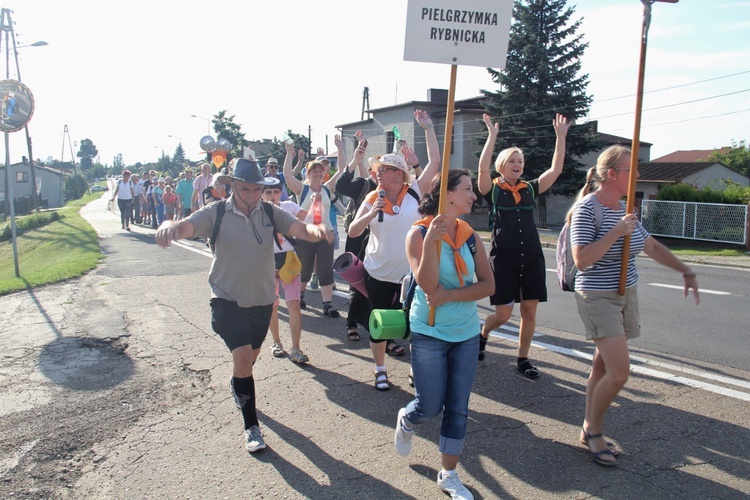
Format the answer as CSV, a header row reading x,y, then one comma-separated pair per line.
x,y
389,169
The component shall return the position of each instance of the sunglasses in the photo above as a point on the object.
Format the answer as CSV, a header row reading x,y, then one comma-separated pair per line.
x,y
389,169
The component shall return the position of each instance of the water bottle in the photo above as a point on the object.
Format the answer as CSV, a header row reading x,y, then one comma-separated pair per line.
x,y
317,210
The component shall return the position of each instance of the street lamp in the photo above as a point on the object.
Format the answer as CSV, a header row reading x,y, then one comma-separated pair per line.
x,y
208,123
40,43
175,137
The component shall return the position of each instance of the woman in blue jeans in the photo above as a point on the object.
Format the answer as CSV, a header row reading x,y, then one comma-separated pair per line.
x,y
450,278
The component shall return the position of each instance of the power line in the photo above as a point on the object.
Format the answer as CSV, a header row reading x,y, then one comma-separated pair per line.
x,y
674,86
676,104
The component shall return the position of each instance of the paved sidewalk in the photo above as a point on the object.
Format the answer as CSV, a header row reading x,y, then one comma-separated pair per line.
x,y
114,386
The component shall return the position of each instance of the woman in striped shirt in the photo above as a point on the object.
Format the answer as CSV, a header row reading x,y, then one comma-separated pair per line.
x,y
610,319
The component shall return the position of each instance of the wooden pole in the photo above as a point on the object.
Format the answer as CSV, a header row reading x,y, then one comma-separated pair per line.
x,y
630,204
446,159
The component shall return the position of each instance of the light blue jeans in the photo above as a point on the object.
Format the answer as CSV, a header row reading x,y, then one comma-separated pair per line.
x,y
443,377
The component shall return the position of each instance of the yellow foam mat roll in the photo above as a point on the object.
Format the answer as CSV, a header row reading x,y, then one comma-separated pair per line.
x,y
388,324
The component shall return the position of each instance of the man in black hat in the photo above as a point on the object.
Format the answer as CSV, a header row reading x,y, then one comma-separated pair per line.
x,y
242,275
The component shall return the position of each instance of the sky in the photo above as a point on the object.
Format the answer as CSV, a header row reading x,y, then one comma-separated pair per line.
x,y
129,75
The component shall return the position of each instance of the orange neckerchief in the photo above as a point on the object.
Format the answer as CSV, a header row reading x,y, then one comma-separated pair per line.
x,y
388,205
463,231
503,184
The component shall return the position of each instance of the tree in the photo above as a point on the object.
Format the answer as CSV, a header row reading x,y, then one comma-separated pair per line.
x,y
541,78
179,157
736,158
278,150
118,164
87,152
164,163
225,127
75,187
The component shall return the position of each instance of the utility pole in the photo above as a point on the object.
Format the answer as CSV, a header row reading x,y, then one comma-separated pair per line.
x,y
6,26
365,102
309,141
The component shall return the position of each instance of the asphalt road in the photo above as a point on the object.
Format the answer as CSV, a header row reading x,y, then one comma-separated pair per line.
x,y
114,386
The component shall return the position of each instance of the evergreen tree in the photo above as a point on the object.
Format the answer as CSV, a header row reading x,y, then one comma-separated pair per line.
x,y
179,157
541,78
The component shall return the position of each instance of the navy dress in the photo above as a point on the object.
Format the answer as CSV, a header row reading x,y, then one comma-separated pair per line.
x,y
516,256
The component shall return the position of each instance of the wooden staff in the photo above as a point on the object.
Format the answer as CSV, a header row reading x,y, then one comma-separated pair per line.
x,y
634,149
446,160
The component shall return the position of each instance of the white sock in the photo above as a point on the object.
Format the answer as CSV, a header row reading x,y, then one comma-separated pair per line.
x,y
379,368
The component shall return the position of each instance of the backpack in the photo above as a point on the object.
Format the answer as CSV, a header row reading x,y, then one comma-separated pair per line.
x,y
493,207
566,268
222,208
306,189
409,284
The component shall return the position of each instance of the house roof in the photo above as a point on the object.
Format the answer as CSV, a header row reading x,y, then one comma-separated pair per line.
x,y
616,139
38,167
652,171
689,155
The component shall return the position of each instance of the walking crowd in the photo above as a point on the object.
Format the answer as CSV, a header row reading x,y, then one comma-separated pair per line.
x,y
286,223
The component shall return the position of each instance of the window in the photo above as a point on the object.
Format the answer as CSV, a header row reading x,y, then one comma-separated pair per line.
x,y
390,138
22,177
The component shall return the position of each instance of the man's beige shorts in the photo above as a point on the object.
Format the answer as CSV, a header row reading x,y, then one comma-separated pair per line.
x,y
609,314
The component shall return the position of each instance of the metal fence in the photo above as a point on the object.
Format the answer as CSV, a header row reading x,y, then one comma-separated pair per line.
x,y
696,221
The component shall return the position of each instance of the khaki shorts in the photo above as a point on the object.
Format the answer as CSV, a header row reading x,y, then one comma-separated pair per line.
x,y
605,313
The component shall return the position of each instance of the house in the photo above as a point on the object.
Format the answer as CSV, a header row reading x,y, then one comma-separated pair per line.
x,y
50,183
381,136
654,175
690,155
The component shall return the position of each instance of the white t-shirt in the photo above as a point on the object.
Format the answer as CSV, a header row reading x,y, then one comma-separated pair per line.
x,y
124,190
292,208
385,255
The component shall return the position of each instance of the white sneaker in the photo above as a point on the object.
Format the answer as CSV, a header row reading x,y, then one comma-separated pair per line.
x,y
254,439
277,351
451,484
299,357
403,437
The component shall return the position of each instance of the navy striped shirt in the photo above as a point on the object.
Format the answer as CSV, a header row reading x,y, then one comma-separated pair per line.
x,y
604,274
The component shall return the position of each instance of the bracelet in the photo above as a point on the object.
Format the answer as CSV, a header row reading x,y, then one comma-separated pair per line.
x,y
689,275
416,165
428,126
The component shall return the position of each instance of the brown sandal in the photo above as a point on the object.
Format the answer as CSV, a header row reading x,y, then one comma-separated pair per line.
x,y
381,381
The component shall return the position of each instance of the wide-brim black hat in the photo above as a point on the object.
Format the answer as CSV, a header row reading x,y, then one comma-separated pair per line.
x,y
248,171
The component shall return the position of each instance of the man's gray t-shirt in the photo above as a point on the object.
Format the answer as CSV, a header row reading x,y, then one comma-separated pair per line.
x,y
243,267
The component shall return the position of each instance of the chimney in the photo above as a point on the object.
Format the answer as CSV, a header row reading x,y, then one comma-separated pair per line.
x,y
438,96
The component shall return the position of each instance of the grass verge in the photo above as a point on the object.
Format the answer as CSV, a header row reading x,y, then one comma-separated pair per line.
x,y
63,249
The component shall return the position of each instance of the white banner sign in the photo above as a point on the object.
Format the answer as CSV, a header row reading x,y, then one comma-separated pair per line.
x,y
467,32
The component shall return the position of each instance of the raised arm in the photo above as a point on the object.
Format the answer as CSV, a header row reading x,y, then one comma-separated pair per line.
x,y
341,162
549,177
291,180
433,151
359,155
300,163
411,158
484,179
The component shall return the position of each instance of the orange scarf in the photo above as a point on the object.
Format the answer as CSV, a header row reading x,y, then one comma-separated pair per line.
x,y
388,205
503,184
463,232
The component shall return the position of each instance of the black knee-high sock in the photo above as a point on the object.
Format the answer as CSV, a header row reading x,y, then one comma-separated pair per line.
x,y
244,388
